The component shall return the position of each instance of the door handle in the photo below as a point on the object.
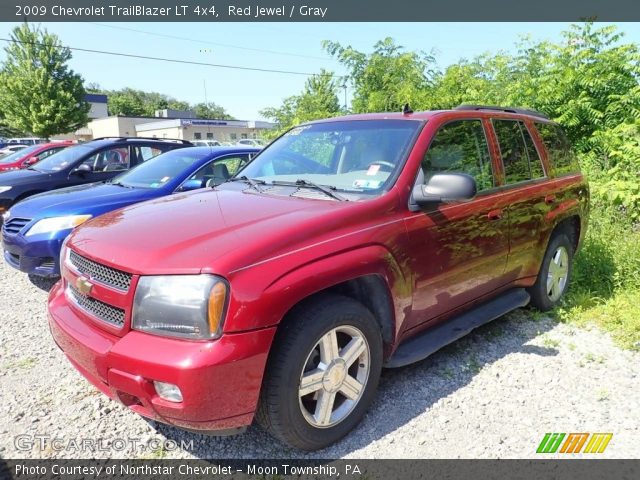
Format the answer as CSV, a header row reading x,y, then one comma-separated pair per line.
x,y
495,214
550,199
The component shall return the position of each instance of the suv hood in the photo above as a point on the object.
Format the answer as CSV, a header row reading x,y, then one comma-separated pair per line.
x,y
213,230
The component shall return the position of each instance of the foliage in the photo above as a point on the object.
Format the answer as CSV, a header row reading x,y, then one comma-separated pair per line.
x,y
132,102
39,93
387,78
319,99
605,286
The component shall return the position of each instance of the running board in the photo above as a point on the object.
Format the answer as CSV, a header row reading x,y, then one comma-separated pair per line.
x,y
433,339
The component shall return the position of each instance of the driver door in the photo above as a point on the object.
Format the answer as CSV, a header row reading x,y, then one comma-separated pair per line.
x,y
104,165
457,251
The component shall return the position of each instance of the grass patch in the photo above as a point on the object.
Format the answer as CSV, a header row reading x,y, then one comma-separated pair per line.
x,y
605,288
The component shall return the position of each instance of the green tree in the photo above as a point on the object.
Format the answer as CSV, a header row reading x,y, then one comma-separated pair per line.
x,y
211,110
319,99
39,93
386,79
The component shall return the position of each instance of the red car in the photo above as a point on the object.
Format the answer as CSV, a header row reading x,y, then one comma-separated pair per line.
x,y
31,155
345,246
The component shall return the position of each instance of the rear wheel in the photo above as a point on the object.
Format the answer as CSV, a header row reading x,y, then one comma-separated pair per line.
x,y
323,373
554,275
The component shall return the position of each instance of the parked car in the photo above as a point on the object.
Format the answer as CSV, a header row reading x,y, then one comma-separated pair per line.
x,y
9,149
95,161
206,143
35,228
27,140
346,245
251,141
30,155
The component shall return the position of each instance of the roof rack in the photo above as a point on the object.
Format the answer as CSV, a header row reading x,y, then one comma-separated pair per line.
x,y
179,140
522,111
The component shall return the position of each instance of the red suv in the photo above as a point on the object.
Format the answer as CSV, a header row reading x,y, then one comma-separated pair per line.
x,y
345,246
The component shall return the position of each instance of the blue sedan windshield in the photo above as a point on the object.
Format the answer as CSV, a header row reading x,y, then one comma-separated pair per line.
x,y
160,170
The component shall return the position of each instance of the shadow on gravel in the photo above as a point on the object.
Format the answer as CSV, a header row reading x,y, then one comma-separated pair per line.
x,y
403,393
42,283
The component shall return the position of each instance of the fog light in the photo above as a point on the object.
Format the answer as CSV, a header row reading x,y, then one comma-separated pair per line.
x,y
168,391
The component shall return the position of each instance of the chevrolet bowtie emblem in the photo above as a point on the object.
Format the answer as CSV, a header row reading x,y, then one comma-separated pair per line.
x,y
84,286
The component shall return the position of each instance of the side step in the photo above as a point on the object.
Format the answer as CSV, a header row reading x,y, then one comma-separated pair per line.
x,y
430,341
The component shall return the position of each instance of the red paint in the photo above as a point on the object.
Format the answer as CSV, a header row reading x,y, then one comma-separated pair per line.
x,y
275,251
33,157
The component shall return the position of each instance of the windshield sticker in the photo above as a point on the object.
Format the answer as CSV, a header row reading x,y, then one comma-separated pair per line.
x,y
154,185
373,169
367,183
296,131
164,179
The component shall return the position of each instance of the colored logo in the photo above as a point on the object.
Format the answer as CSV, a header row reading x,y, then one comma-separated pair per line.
x,y
84,286
574,443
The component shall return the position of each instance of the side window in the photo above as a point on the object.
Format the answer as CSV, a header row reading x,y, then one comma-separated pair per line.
x,y
221,169
561,156
109,160
460,146
145,153
535,163
512,150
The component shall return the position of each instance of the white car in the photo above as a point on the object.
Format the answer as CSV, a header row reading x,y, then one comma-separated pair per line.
x,y
12,148
251,142
26,141
206,143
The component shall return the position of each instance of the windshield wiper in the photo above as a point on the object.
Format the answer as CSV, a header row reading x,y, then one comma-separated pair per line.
x,y
330,191
119,184
250,181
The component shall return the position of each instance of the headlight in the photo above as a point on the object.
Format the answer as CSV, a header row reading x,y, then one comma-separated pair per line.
x,y
6,215
55,224
4,189
185,306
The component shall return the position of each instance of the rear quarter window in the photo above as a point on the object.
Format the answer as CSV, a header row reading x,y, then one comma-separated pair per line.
x,y
561,156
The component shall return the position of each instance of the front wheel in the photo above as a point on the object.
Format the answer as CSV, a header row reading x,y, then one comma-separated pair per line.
x,y
323,372
554,275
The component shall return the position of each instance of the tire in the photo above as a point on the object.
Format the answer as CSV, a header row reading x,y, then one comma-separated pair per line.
x,y
302,344
554,275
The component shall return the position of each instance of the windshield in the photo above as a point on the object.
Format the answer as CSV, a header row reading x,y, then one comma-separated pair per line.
x,y
19,154
160,170
360,156
63,159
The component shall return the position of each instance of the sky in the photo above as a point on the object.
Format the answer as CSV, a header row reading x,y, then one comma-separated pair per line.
x,y
281,46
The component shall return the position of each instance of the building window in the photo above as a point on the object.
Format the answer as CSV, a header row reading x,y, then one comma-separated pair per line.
x,y
244,135
209,136
234,136
197,135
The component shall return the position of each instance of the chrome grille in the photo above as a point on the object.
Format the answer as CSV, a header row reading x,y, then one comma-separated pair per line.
x,y
14,225
102,311
100,273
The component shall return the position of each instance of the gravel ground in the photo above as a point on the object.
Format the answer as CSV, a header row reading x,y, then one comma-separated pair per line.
x,y
493,394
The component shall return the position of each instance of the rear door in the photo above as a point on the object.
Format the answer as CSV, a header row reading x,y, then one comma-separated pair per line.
x,y
527,193
458,251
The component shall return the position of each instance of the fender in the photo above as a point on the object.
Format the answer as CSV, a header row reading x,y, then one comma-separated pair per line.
x,y
278,296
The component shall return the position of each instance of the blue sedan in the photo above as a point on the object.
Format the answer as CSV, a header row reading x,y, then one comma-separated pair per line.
x,y
34,229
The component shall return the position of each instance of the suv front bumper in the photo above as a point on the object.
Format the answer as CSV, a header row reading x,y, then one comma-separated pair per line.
x,y
220,380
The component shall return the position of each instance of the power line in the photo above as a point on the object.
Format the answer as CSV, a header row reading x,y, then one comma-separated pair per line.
x,y
218,44
172,60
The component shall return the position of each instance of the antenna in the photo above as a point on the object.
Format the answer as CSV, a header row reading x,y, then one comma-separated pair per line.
x,y
407,109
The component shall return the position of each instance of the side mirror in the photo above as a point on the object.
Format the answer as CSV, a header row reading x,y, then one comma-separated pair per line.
x,y
192,185
445,187
81,170
30,161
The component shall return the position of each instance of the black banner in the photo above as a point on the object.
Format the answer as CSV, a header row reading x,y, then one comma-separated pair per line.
x,y
320,469
317,10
